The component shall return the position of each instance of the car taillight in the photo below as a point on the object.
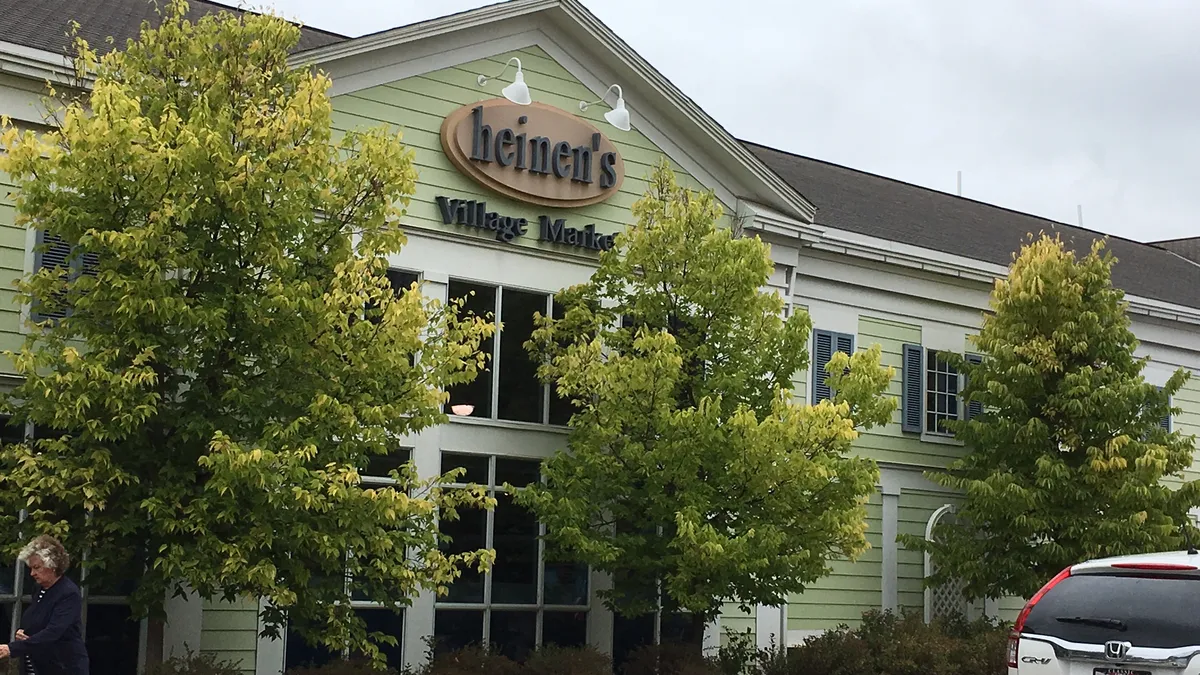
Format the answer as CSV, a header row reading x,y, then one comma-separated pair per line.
x,y
1014,639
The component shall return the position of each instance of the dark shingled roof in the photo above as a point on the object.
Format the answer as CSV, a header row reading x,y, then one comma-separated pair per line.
x,y
1188,248
44,24
890,209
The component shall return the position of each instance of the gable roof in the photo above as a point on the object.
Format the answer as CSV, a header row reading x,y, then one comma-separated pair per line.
x,y
644,88
868,204
1188,247
44,24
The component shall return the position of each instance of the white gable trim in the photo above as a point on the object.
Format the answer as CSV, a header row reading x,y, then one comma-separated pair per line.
x,y
348,77
557,16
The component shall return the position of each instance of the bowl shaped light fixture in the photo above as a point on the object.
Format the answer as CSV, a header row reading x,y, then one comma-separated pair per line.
x,y
518,91
618,116
462,409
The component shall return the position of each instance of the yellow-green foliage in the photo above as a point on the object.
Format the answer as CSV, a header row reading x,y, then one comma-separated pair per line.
x,y
690,464
238,354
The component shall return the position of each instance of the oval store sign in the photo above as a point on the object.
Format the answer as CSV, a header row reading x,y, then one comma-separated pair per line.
x,y
533,153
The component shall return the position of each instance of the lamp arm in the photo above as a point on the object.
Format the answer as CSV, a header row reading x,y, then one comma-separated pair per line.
x,y
482,80
583,105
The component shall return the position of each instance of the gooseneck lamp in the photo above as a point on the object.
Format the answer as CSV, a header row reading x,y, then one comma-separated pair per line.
x,y
618,116
518,91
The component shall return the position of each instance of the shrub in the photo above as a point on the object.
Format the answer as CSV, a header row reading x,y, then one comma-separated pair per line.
x,y
472,661
890,644
669,659
193,664
341,667
553,660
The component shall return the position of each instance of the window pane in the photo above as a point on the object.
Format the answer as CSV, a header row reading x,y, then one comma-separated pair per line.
x,y
467,533
521,394
682,629
514,634
7,581
518,472
401,280
476,466
11,432
5,621
515,540
299,653
112,640
382,465
630,633
389,623
477,392
454,629
108,582
565,629
561,407
566,584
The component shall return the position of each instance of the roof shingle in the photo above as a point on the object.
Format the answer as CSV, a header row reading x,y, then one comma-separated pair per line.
x,y
890,209
44,24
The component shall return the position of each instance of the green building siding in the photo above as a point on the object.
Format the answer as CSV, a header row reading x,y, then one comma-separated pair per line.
x,y
12,267
229,631
852,588
889,444
416,106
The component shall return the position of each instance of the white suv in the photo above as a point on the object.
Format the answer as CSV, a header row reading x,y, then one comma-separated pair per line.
x,y
1134,615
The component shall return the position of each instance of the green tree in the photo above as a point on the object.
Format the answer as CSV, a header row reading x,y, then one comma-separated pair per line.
x,y
232,353
690,466
1068,459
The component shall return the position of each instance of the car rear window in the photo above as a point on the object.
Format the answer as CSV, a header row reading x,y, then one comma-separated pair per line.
x,y
1146,611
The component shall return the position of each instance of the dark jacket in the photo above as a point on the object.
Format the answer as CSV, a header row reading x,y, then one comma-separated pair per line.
x,y
55,629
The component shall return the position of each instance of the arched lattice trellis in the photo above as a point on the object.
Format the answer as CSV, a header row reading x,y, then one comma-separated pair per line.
x,y
944,600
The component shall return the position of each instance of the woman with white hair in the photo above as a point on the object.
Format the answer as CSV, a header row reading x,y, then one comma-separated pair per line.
x,y
50,641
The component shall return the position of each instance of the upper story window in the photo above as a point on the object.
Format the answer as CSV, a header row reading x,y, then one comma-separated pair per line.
x,y
54,252
509,388
941,394
930,394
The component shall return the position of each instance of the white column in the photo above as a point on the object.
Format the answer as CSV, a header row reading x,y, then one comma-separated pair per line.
x,y
712,636
600,620
182,629
268,659
891,550
419,616
770,626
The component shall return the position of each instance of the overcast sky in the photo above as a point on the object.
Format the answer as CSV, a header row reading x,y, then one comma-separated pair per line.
x,y
1042,105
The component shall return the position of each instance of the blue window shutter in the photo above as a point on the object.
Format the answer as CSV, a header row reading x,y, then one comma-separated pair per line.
x,y
845,343
52,251
911,393
974,408
822,351
1165,422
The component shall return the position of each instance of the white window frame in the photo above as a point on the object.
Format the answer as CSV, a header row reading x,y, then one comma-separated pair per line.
x,y
540,607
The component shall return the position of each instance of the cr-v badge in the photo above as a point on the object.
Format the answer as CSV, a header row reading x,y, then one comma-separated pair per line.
x,y
1034,659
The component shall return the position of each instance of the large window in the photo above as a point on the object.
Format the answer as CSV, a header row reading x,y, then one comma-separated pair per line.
x,y
509,388
298,652
523,601
941,394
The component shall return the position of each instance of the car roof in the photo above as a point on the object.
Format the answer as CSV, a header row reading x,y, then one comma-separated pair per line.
x,y
1169,562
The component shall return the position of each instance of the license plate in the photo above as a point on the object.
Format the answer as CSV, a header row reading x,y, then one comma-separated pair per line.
x,y
1119,671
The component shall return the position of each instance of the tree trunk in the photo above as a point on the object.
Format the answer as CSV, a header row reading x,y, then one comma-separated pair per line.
x,y
155,632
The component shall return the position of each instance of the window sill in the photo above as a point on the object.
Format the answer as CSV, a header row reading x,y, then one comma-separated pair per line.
x,y
940,439
510,424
